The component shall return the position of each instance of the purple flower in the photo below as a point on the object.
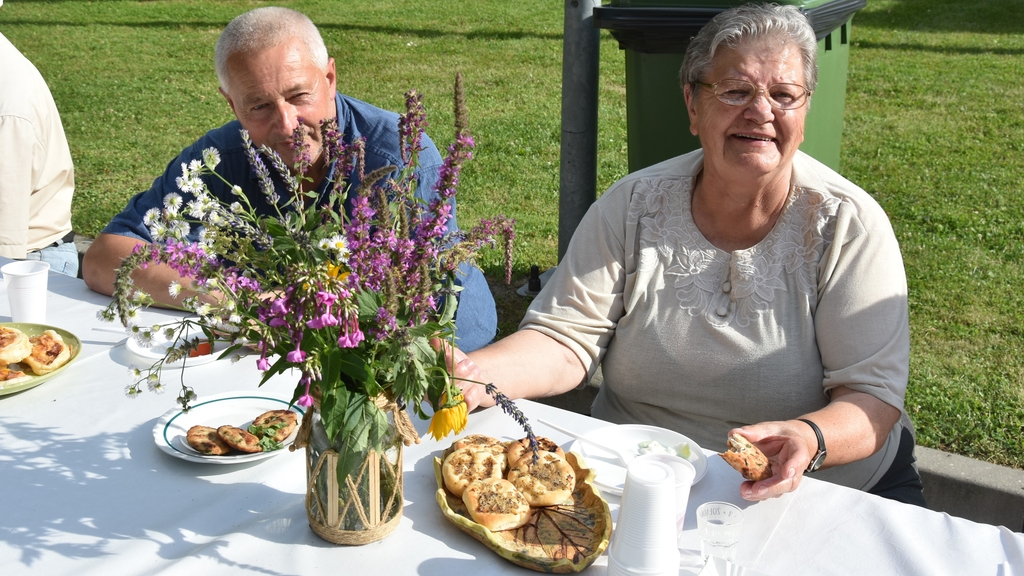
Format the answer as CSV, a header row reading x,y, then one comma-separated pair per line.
x,y
263,364
296,356
351,335
305,400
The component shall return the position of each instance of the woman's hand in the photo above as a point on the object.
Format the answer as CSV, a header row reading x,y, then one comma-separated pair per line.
x,y
855,425
786,448
466,374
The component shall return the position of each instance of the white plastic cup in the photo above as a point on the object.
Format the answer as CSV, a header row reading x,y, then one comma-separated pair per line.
x,y
684,473
644,538
26,289
719,525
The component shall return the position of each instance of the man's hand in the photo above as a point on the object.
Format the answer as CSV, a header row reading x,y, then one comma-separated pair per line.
x,y
101,261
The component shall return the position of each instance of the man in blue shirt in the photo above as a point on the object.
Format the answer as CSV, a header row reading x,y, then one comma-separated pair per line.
x,y
275,74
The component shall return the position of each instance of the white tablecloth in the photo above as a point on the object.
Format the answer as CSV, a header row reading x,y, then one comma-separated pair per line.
x,y
84,490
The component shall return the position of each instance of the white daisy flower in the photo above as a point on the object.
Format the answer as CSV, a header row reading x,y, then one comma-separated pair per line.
x,y
237,190
174,288
150,216
211,157
236,207
173,201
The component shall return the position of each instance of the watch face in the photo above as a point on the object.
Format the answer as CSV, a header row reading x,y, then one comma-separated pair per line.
x,y
819,459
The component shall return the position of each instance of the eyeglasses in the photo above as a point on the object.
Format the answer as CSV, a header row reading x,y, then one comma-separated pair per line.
x,y
741,93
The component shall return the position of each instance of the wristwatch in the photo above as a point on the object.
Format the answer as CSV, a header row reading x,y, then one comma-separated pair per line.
x,y
819,456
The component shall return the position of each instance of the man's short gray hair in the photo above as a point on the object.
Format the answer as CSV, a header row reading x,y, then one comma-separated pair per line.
x,y
255,31
748,23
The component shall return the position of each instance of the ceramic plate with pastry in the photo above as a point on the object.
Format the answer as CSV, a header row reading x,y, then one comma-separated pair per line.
x,y
31,354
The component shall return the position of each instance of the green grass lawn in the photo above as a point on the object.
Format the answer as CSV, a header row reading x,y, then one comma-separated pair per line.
x,y
934,129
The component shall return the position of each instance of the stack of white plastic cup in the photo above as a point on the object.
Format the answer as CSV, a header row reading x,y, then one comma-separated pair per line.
x,y
644,540
684,473
26,289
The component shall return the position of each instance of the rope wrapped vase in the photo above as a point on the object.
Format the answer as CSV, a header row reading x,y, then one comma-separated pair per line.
x,y
366,504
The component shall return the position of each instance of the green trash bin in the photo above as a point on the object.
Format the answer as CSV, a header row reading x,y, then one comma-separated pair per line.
x,y
655,33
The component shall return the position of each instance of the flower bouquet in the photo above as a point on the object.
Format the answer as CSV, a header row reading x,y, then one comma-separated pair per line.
x,y
356,301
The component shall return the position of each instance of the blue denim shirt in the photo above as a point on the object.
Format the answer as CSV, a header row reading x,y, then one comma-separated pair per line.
x,y
476,320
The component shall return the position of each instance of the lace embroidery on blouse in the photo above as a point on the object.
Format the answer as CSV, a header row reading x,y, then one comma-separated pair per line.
x,y
695,269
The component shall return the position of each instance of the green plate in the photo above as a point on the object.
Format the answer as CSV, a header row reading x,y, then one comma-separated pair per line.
x,y
561,539
35,330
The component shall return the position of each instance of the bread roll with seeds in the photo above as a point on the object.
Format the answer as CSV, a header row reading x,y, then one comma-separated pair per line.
x,y
548,482
496,504
520,448
466,465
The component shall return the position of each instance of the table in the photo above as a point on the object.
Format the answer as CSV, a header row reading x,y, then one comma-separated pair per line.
x,y
85,491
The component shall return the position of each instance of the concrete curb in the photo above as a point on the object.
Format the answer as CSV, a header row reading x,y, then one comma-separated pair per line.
x,y
972,489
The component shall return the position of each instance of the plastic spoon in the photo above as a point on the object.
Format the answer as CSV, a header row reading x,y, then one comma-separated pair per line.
x,y
621,455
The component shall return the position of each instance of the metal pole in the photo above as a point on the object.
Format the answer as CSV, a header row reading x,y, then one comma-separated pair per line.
x,y
581,57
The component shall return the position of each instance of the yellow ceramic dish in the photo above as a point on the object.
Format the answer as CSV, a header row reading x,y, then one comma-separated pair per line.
x,y
35,330
558,539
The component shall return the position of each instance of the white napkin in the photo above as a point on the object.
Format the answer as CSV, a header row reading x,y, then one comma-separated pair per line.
x,y
721,567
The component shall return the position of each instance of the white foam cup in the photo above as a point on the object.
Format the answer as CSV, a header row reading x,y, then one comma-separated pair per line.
x,y
25,281
684,473
644,539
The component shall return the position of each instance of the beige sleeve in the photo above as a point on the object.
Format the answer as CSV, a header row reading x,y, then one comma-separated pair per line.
x,y
861,321
582,302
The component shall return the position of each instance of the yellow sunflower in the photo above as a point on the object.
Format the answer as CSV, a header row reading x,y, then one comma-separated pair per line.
x,y
450,418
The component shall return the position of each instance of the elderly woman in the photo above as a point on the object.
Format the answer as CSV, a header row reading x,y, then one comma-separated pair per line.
x,y
743,287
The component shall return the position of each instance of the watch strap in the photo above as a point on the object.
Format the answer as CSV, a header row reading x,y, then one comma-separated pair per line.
x,y
819,457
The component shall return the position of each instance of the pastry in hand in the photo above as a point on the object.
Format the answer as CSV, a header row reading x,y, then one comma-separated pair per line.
x,y
239,439
747,459
496,504
49,352
466,465
14,346
206,440
548,482
520,448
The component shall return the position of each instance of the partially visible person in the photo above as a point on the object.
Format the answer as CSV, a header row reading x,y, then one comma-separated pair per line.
x,y
741,288
275,74
37,177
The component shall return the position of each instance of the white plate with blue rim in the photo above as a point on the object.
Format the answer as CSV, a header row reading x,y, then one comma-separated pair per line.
x,y
611,475
235,409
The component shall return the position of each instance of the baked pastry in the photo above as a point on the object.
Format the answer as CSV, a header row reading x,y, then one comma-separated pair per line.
x,y
483,442
477,440
519,448
206,440
239,439
548,482
49,352
14,346
9,377
466,465
495,504
281,422
747,459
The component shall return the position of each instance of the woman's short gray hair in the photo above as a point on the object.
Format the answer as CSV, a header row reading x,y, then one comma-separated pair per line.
x,y
751,22
256,30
